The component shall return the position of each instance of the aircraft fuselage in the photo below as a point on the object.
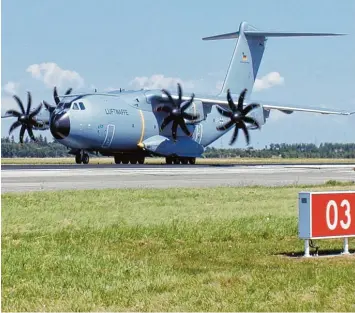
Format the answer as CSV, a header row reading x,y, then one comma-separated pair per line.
x,y
120,121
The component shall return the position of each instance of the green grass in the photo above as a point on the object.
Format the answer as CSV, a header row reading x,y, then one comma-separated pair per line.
x,y
109,160
213,249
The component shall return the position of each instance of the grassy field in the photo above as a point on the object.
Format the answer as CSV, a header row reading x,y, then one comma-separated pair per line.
x,y
220,249
109,160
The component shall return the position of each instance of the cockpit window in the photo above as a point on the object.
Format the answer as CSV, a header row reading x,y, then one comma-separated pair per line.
x,y
82,106
67,105
75,106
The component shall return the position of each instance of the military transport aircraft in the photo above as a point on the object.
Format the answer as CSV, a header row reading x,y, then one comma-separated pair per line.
x,y
130,125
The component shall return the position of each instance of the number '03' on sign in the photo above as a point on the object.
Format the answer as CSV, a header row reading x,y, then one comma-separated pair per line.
x,y
333,214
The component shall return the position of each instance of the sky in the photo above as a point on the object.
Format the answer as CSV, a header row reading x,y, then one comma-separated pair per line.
x,y
108,44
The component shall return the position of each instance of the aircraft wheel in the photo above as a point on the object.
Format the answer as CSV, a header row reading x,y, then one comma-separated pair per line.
x,y
125,160
133,161
78,159
184,161
192,161
85,158
117,159
141,160
176,161
169,160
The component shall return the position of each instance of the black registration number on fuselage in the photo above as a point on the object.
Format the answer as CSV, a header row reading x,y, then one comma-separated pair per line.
x,y
116,111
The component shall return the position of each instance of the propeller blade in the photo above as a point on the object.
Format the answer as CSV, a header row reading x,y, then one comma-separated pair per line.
x,y
188,103
230,102
22,132
184,128
14,126
68,92
30,132
166,121
235,135
238,116
49,107
29,103
36,111
19,102
174,129
180,93
246,133
225,126
164,108
190,117
55,95
241,100
250,107
251,120
224,112
13,113
177,114
26,119
169,96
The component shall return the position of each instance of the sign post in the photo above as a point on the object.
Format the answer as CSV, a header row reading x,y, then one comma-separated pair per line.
x,y
324,215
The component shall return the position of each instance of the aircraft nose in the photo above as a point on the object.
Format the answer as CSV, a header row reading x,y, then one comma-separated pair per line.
x,y
60,125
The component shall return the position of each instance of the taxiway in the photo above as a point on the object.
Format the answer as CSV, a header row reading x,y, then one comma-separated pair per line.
x,y
24,178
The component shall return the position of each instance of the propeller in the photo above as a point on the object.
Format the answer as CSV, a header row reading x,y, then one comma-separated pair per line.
x,y
177,113
238,116
51,108
24,118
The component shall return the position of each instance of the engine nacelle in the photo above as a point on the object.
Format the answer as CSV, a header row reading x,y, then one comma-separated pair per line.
x,y
259,115
196,108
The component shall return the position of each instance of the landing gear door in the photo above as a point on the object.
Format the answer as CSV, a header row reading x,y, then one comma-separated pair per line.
x,y
110,131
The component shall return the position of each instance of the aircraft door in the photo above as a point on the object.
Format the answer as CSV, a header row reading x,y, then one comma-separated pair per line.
x,y
110,131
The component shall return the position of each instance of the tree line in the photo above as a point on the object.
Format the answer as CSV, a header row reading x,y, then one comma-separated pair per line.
x,y
29,149
43,148
284,150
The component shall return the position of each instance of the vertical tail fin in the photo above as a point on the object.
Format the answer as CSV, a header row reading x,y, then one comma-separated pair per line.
x,y
247,55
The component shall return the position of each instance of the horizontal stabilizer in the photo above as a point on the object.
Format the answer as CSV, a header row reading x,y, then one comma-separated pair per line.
x,y
253,33
287,34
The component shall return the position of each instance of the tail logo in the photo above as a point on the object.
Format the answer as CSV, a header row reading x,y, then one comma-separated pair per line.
x,y
244,57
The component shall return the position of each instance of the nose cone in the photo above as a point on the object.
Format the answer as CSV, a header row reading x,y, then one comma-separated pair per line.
x,y
60,125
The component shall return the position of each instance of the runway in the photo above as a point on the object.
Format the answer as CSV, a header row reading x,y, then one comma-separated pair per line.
x,y
25,178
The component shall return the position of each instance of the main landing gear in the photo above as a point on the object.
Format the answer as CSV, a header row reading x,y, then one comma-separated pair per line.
x,y
125,159
82,158
177,160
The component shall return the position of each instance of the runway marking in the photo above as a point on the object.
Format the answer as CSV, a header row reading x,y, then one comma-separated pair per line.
x,y
81,177
163,171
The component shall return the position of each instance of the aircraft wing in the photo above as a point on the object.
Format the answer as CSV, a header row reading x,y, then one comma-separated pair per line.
x,y
288,109
285,108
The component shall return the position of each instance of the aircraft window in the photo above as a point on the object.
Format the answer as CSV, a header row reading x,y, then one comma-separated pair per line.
x,y
75,106
66,105
82,106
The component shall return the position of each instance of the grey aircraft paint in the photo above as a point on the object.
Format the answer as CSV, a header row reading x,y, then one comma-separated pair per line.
x,y
127,122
